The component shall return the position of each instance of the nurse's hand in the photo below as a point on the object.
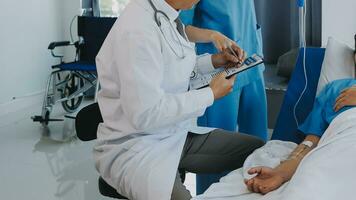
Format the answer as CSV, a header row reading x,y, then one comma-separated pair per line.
x,y
220,41
346,98
227,59
266,180
222,86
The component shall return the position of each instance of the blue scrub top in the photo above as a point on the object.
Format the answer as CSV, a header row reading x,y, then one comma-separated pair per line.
x,y
323,111
237,20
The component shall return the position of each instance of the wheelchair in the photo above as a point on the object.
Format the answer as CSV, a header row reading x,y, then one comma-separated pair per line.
x,y
68,82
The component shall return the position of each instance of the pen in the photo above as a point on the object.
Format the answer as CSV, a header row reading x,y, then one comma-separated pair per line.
x,y
233,53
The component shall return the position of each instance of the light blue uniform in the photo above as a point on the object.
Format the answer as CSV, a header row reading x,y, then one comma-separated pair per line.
x,y
237,20
323,110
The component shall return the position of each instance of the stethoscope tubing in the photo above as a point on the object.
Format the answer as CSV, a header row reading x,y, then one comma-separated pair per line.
x,y
159,24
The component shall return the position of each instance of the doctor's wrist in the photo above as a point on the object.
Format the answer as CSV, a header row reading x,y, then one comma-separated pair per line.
x,y
222,86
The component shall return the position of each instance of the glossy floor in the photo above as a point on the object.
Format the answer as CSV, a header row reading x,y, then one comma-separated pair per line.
x,y
35,166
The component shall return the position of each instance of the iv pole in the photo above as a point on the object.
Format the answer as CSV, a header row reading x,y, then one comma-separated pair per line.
x,y
301,5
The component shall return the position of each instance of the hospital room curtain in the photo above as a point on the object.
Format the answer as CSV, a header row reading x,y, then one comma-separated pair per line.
x,y
279,22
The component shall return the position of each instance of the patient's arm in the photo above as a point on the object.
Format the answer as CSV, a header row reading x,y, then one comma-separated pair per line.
x,y
268,179
346,98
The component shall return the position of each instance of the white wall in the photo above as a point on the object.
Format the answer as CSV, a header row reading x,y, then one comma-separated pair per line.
x,y
339,20
70,9
27,27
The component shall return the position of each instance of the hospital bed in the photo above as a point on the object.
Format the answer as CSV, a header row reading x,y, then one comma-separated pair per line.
x,y
69,81
317,177
285,128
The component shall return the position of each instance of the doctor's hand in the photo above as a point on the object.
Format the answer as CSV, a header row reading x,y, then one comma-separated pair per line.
x,y
227,59
346,98
266,180
222,86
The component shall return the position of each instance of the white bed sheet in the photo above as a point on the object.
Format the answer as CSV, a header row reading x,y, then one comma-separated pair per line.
x,y
326,173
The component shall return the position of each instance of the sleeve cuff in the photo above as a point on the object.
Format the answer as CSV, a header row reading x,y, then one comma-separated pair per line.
x,y
205,64
208,96
200,100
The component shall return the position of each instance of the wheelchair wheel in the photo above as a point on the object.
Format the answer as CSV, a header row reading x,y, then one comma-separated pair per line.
x,y
74,83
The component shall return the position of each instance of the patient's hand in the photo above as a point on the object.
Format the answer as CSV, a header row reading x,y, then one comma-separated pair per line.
x,y
346,98
267,180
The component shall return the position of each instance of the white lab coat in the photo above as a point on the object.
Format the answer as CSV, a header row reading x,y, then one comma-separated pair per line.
x,y
145,102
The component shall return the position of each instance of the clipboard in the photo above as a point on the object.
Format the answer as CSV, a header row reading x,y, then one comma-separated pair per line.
x,y
201,81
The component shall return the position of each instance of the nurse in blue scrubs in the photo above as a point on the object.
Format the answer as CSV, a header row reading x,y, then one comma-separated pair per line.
x,y
246,106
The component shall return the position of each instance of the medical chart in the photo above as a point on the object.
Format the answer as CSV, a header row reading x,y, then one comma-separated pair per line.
x,y
198,81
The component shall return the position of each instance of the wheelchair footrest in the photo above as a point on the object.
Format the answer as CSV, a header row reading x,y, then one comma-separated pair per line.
x,y
40,119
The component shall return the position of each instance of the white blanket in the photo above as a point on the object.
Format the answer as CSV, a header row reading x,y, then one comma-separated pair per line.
x,y
326,173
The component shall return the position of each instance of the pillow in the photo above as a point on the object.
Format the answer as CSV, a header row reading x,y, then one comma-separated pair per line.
x,y
286,63
338,63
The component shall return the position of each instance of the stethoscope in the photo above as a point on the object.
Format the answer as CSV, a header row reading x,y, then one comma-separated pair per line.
x,y
159,24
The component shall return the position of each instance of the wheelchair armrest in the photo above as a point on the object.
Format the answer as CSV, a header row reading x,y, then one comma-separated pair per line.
x,y
53,45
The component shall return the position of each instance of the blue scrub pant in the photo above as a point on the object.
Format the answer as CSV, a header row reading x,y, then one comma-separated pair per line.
x,y
247,107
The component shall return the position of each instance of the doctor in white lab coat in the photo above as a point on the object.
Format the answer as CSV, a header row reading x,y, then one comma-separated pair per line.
x,y
149,128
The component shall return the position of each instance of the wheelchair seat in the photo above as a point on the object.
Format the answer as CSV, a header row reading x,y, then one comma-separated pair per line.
x,y
86,126
76,66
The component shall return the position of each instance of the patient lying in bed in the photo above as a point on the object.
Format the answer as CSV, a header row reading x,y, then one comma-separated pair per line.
x,y
336,98
326,173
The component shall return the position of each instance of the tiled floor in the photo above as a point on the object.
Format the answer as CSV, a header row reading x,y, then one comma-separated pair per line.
x,y
34,166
